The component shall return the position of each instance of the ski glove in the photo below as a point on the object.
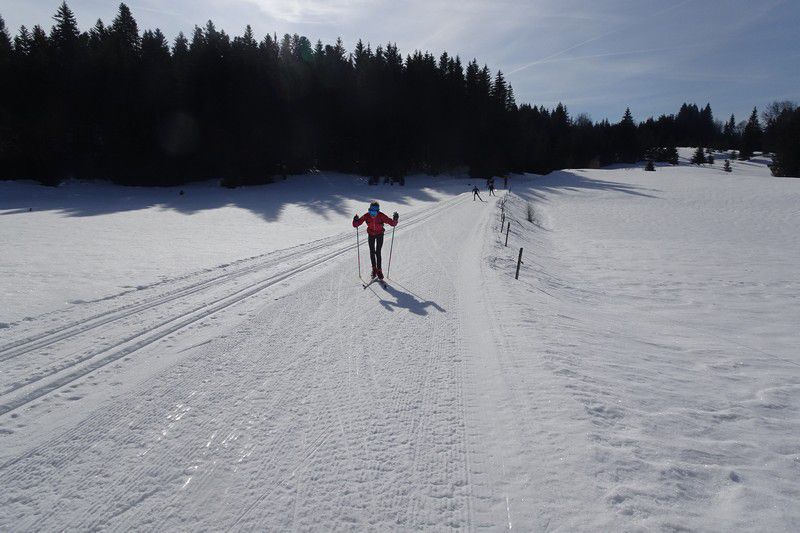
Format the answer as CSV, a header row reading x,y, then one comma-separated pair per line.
x,y
396,217
355,218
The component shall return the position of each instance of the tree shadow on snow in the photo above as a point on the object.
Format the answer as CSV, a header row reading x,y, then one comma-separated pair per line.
x,y
571,180
327,194
406,300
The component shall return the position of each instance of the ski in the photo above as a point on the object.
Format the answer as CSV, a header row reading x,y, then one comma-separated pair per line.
x,y
381,282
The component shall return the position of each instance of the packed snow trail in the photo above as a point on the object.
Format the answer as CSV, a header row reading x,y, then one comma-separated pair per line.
x,y
326,406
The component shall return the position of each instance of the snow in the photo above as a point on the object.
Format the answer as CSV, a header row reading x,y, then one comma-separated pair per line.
x,y
641,374
85,241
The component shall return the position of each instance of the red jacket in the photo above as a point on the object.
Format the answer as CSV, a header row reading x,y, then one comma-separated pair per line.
x,y
374,224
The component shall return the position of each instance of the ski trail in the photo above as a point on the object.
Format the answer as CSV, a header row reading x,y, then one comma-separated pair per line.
x,y
330,405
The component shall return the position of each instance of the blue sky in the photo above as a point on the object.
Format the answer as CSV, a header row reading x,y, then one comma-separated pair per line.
x,y
596,56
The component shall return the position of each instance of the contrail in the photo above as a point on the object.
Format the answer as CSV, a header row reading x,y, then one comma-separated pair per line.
x,y
627,53
602,36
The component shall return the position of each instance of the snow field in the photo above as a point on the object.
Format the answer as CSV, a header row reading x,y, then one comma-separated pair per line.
x,y
642,374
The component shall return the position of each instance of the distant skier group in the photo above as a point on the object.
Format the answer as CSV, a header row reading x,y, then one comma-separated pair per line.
x,y
476,191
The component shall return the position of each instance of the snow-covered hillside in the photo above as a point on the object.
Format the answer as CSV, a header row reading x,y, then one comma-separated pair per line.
x,y
641,374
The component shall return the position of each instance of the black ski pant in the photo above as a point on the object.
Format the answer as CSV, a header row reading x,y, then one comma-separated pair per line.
x,y
475,194
375,245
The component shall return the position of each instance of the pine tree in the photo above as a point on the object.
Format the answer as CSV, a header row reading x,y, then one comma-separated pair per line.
x,y
672,155
125,32
65,32
751,138
699,156
500,90
5,41
97,36
786,141
629,151
729,134
23,42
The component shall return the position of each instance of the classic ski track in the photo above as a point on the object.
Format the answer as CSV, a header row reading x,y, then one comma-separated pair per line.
x,y
424,418
52,336
331,424
37,341
460,379
212,308
183,320
177,455
283,392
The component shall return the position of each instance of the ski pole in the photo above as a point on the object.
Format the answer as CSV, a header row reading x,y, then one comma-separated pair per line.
x,y
391,247
358,248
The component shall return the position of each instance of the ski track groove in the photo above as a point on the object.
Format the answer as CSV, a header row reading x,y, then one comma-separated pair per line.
x,y
177,455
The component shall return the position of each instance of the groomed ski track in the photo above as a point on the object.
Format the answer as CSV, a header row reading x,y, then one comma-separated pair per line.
x,y
276,393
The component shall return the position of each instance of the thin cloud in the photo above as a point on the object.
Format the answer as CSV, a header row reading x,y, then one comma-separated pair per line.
x,y
310,11
597,38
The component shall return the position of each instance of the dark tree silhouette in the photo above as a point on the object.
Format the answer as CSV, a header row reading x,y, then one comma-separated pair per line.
x,y
118,103
751,137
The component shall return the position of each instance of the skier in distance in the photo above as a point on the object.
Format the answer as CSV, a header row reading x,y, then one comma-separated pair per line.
x,y
375,221
491,187
476,193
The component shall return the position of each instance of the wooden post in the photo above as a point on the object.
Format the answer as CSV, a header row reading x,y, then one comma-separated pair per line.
x,y
519,262
502,221
508,230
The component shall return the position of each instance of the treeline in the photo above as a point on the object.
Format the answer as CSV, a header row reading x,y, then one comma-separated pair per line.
x,y
116,103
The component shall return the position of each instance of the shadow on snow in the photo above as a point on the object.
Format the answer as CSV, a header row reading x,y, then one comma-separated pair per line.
x,y
406,300
328,194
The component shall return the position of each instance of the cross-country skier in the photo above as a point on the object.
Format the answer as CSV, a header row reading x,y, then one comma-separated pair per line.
x,y
375,221
491,187
476,193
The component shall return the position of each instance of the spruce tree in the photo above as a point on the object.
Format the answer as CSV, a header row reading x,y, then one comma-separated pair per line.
x,y
699,156
729,134
786,135
629,151
672,155
751,138
23,42
125,31
65,32
5,41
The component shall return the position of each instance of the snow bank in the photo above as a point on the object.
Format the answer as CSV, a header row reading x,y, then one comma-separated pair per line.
x,y
664,308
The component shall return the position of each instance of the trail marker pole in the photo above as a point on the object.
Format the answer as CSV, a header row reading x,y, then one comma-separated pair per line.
x,y
519,262
508,230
